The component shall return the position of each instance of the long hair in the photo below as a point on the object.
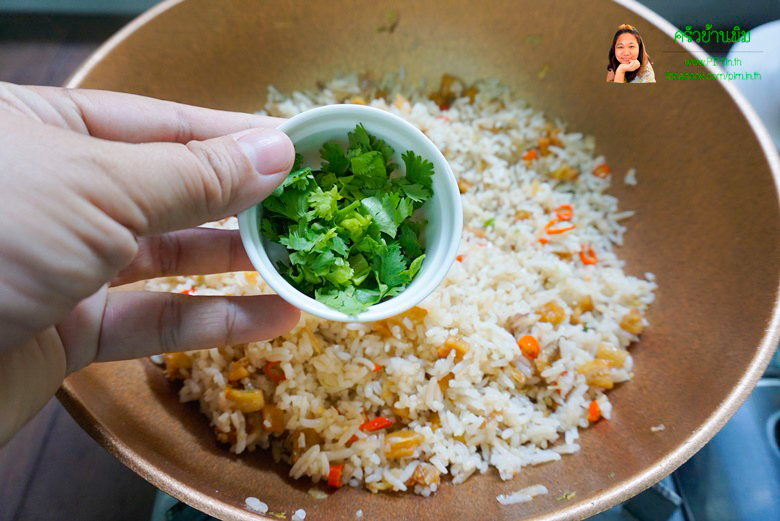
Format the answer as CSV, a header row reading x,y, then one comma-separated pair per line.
x,y
643,57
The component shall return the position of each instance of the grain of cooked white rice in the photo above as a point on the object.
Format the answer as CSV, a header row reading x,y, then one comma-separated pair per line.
x,y
523,495
487,405
630,178
255,504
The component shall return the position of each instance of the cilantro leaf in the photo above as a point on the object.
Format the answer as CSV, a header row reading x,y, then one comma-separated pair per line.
x,y
407,238
290,204
359,142
338,245
268,230
335,160
325,204
340,273
382,216
369,169
414,267
297,162
418,170
360,268
388,211
347,226
417,192
386,151
344,300
326,180
296,240
300,179
392,265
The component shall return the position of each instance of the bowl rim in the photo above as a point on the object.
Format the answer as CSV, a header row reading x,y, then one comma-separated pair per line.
x,y
434,268
581,509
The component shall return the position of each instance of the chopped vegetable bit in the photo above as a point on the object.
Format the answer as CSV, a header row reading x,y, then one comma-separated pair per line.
x,y
453,343
555,227
377,368
238,370
402,444
250,400
377,424
463,186
602,171
334,476
530,155
594,412
552,313
529,346
564,212
567,496
489,223
347,227
317,493
632,322
598,373
588,256
275,372
272,419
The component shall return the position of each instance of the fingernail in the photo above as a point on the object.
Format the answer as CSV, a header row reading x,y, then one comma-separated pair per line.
x,y
270,150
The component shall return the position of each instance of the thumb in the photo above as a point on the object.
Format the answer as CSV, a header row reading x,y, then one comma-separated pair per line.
x,y
161,187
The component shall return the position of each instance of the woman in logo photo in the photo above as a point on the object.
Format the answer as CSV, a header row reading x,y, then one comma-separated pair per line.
x,y
628,59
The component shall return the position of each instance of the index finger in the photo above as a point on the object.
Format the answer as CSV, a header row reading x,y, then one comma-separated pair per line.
x,y
131,118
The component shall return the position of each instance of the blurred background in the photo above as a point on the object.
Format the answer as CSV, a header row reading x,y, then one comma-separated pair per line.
x,y
53,470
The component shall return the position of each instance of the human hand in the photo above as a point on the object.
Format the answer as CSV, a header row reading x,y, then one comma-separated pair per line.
x,y
100,188
630,66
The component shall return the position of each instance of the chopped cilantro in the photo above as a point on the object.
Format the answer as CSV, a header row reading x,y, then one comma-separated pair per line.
x,y
348,226
489,223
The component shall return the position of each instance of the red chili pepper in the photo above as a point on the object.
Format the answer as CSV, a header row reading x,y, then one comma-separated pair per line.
x,y
555,231
377,368
543,241
530,155
459,258
334,476
564,212
377,424
275,372
187,291
588,256
594,412
352,440
602,171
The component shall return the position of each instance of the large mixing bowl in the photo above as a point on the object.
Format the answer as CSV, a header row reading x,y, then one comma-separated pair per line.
x,y
707,224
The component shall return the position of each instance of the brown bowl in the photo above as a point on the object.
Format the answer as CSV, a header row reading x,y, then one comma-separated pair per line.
x,y
707,224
